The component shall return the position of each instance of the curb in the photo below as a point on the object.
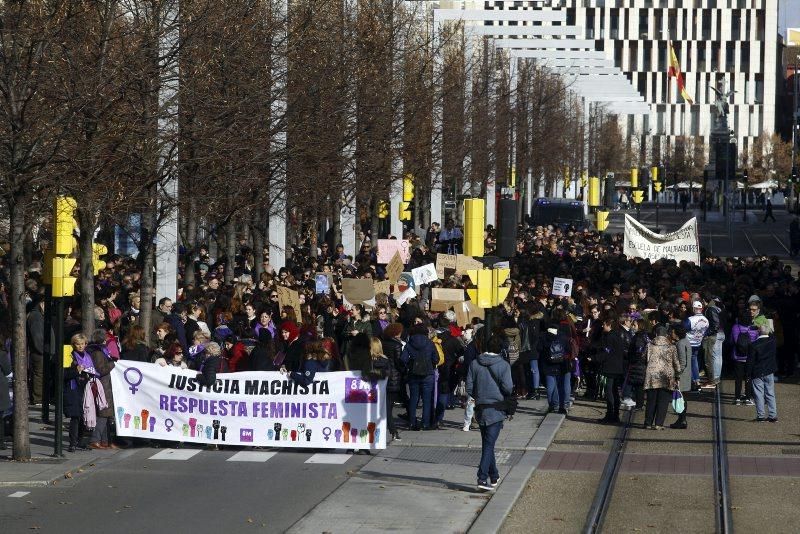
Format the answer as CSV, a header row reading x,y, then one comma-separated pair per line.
x,y
493,515
61,470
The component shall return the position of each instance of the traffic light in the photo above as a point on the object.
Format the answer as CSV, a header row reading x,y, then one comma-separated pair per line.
x,y
602,221
490,291
512,180
794,174
474,223
406,213
638,196
594,192
634,178
657,187
97,251
64,226
584,180
567,181
63,283
654,174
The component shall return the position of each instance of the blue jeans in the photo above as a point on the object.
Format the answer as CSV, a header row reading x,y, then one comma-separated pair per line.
x,y
535,377
712,347
558,390
764,392
695,365
487,469
441,405
420,385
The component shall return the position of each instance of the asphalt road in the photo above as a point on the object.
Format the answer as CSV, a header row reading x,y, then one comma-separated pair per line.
x,y
212,491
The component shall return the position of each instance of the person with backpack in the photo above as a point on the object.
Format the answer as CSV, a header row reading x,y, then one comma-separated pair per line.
x,y
489,382
554,347
636,365
743,333
420,358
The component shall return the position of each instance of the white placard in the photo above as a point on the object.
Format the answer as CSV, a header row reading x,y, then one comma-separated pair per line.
x,y
424,274
562,287
267,409
680,245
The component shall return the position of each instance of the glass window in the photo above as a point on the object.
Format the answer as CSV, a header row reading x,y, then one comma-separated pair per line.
x,y
736,30
701,57
729,57
694,118
647,53
706,24
745,59
643,26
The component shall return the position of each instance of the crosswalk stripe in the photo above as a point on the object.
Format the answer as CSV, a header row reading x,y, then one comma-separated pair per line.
x,y
175,454
328,458
18,494
251,456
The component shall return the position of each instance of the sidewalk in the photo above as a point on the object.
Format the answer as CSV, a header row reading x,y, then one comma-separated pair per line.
x,y
426,482
44,469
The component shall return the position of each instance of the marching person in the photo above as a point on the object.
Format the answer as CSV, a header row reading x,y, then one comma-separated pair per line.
x,y
488,382
662,368
761,366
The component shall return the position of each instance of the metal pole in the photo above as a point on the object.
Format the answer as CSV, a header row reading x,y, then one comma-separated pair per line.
x,y
48,351
59,362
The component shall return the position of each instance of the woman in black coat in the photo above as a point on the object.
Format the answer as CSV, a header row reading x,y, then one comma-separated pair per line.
x,y
636,363
263,356
210,366
392,349
76,376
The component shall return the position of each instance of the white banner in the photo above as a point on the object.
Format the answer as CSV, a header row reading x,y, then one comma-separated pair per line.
x,y
337,411
681,245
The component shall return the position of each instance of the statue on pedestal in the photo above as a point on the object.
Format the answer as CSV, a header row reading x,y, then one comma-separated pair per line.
x,y
721,103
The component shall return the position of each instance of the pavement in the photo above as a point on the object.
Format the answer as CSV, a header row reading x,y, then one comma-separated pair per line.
x,y
424,483
45,468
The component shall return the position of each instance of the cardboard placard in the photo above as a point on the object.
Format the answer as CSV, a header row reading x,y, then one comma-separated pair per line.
x,y
359,291
388,247
395,268
465,263
383,287
444,263
442,299
467,312
289,297
562,287
424,275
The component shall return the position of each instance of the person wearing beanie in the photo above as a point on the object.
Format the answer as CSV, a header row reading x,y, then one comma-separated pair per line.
x,y
696,326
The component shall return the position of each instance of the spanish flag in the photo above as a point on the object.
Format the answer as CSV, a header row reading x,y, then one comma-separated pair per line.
x,y
675,71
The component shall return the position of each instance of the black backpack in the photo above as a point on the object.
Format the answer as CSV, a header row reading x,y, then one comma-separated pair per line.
x,y
743,343
558,349
420,365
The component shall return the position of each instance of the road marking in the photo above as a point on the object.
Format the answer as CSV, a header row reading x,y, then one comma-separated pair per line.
x,y
328,458
18,494
779,240
251,456
175,454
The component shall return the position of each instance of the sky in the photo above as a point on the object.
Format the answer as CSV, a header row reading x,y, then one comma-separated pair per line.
x,y
789,15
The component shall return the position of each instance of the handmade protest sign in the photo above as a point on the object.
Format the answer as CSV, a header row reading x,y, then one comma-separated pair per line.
x,y
322,283
388,247
337,410
289,297
382,287
395,268
680,245
445,263
562,287
359,291
424,274
465,263
442,299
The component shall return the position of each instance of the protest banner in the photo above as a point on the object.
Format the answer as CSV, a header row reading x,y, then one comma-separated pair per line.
x,y
465,263
442,299
388,247
289,297
681,245
467,312
359,291
424,274
251,409
401,297
395,268
322,283
444,264
383,287
562,287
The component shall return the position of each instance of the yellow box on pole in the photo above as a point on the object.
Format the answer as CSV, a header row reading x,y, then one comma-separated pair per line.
x,y
408,188
474,224
634,177
638,196
63,226
654,174
481,295
657,186
67,356
594,192
499,292
602,221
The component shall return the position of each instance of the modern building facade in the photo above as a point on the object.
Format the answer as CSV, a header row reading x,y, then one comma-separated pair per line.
x,y
729,41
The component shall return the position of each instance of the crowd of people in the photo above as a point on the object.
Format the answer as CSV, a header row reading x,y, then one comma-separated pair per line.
x,y
631,334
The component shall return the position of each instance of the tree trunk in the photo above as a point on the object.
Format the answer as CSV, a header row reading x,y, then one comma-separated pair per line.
x,y
374,223
86,223
191,242
147,288
22,445
313,236
230,249
258,231
337,224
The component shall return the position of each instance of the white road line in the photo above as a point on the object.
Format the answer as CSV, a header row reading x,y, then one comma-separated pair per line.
x,y
251,456
175,454
778,239
18,494
755,252
328,458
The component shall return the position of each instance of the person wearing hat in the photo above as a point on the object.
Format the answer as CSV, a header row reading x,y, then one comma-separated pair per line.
x,y
713,338
696,326
292,349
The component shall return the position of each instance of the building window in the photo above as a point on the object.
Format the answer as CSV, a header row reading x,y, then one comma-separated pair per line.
x,y
590,23
672,21
736,30
706,24
759,25
644,30
745,59
701,57
647,56
694,118
614,23
730,62
634,55
759,89
662,56
714,62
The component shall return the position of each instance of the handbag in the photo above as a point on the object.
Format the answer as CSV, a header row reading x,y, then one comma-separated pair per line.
x,y
678,405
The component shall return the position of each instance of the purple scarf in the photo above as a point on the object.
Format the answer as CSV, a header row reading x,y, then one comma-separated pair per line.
x,y
270,329
83,359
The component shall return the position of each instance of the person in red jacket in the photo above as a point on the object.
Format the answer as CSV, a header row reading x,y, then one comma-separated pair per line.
x,y
236,354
